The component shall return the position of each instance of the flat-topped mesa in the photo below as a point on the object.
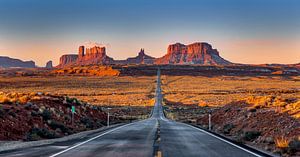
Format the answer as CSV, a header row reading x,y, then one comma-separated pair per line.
x,y
196,53
66,60
93,55
86,56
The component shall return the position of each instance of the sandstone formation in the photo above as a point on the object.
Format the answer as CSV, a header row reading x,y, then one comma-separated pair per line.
x,y
66,60
142,58
86,56
92,56
7,62
196,53
49,65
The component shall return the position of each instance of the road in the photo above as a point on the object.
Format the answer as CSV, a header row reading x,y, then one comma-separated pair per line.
x,y
156,136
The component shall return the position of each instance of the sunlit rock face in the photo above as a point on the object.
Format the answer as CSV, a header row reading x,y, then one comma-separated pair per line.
x,y
196,53
49,65
66,60
86,56
93,55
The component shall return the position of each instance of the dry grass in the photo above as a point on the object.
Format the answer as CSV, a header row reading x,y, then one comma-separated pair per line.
x,y
135,91
281,142
88,70
218,91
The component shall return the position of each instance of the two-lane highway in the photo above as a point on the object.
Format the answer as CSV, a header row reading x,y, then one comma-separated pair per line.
x,y
140,139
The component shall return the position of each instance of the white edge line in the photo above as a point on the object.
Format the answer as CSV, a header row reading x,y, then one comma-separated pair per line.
x,y
77,145
225,141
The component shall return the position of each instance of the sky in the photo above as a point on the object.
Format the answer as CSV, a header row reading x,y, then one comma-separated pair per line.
x,y
244,31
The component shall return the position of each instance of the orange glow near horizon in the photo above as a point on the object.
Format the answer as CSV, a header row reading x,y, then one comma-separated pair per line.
x,y
246,51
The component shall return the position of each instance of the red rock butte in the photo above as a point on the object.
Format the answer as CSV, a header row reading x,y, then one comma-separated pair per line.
x,y
197,53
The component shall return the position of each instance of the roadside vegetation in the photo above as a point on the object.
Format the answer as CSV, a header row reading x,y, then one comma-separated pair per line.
x,y
35,116
258,111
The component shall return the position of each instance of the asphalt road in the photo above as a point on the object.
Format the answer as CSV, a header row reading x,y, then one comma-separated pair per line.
x,y
154,136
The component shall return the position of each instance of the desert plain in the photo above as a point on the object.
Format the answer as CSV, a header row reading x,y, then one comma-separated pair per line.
x,y
260,111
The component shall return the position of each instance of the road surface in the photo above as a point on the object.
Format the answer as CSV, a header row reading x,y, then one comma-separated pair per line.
x,y
156,136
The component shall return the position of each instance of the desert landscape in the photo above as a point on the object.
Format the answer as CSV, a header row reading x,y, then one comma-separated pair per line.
x,y
259,111
242,107
149,78
253,105
31,104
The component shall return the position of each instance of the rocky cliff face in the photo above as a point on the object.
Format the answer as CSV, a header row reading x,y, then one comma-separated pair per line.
x,y
66,60
196,53
94,55
142,58
7,62
86,56
49,65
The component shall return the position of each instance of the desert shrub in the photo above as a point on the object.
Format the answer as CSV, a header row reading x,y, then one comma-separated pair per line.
x,y
1,112
38,133
46,114
54,125
4,99
72,100
227,128
251,135
23,99
203,104
32,137
12,113
88,122
294,145
34,113
281,142
67,118
28,105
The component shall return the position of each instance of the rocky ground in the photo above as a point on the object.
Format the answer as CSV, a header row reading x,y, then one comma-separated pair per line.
x,y
35,116
269,123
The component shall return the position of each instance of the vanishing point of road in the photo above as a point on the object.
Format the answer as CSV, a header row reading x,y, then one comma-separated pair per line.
x,y
155,136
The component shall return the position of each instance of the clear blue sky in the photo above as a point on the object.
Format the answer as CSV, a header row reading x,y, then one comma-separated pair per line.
x,y
253,31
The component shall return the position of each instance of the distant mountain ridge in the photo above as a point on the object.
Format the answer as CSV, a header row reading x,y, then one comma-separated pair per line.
x,y
7,62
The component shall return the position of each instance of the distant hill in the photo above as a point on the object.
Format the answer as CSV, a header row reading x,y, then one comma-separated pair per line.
x,y
6,62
